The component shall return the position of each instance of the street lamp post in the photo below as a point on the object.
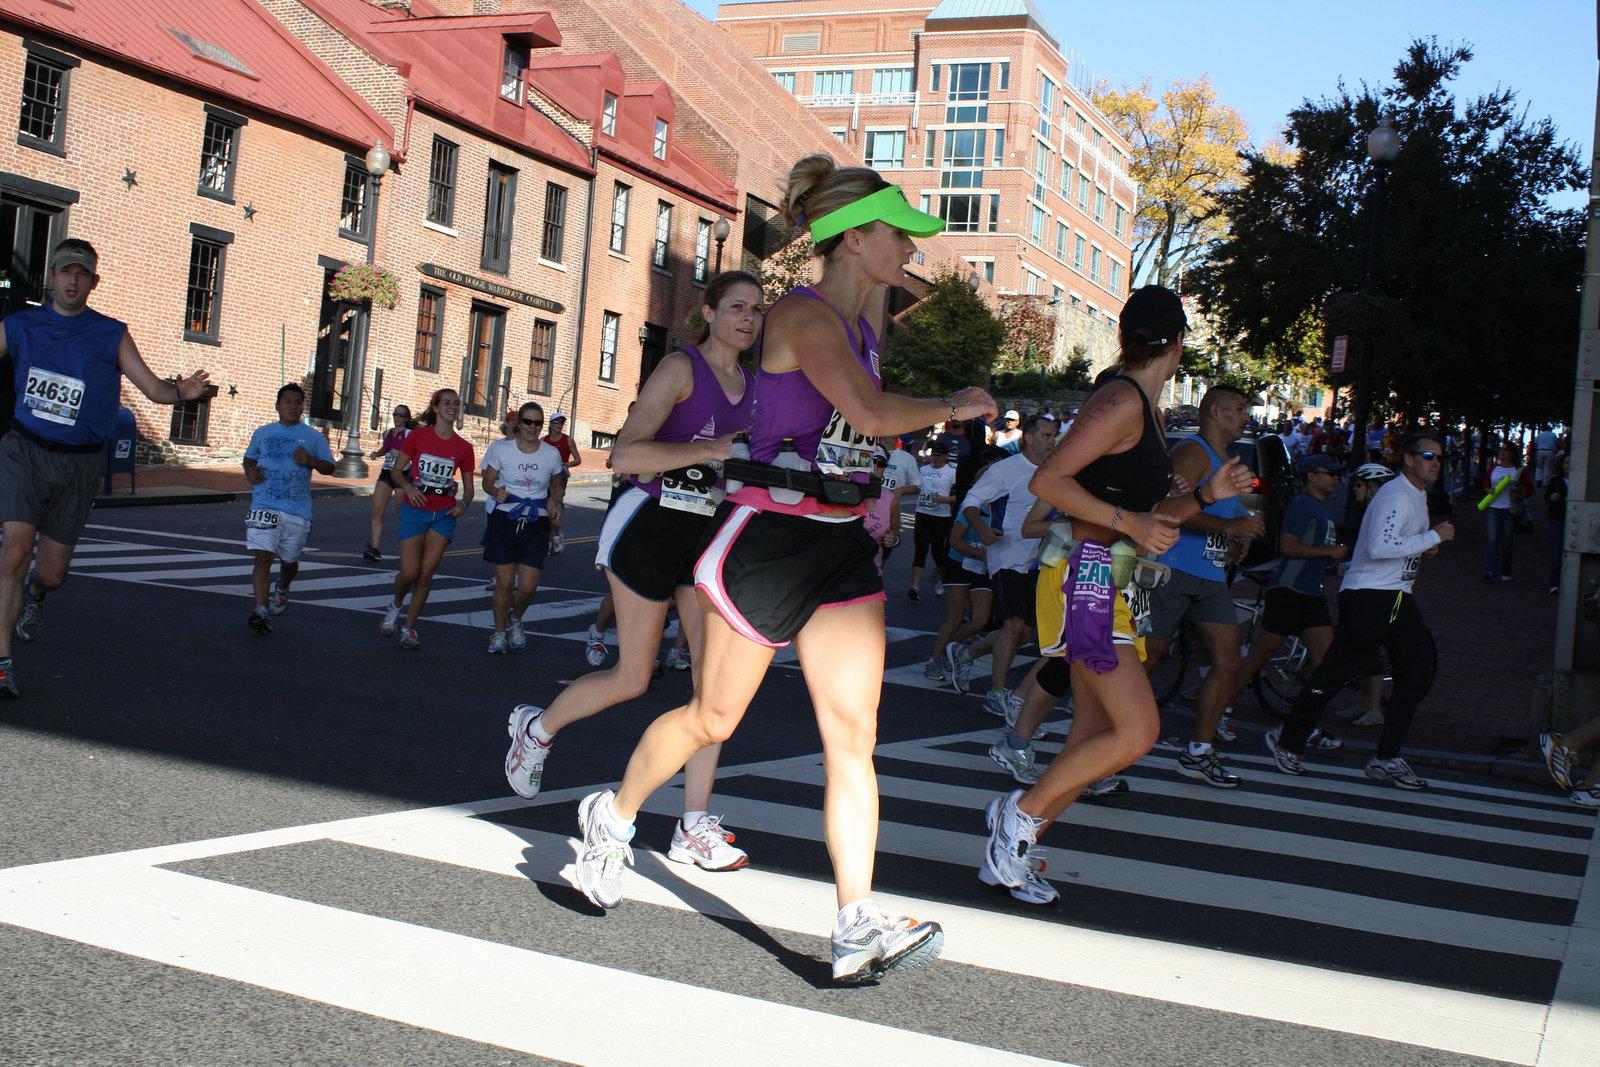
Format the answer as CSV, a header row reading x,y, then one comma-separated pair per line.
x,y
351,464
1383,145
720,230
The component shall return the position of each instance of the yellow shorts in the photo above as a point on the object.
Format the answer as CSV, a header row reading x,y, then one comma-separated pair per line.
x,y
1050,602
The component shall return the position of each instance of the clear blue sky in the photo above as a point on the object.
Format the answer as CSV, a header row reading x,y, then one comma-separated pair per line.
x,y
1266,56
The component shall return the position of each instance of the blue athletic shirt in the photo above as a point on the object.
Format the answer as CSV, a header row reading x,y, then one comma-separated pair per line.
x,y
1205,555
1307,519
68,384
288,484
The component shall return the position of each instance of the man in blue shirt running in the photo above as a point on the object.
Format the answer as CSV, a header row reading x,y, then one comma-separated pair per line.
x,y
278,463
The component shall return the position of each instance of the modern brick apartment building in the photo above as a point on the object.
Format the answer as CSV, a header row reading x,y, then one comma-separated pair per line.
x,y
550,212
968,104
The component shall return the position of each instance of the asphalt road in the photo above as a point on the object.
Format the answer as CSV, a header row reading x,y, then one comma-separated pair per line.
x,y
335,872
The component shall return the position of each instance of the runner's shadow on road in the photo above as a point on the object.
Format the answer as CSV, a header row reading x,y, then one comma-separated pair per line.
x,y
561,891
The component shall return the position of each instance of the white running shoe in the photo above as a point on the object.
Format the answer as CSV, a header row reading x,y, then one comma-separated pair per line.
x,y
1017,763
515,637
938,587
1397,772
1225,730
525,759
1287,761
556,544
278,602
600,864
960,664
1002,702
706,845
1014,712
408,638
1323,742
1586,798
678,659
595,653
1369,718
1009,858
875,943
391,620
497,643
1111,786
933,671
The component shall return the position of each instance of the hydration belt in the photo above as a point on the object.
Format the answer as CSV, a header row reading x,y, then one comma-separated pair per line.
x,y
829,490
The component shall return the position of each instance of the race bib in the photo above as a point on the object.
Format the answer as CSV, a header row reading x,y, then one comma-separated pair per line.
x,y
689,489
1409,571
1217,549
843,451
261,519
388,460
53,397
434,475
1138,599
925,500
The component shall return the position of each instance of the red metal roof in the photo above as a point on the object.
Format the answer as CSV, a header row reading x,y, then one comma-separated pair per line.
x,y
452,64
232,48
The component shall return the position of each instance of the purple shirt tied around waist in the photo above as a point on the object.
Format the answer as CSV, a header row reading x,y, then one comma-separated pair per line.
x,y
704,415
788,405
1091,608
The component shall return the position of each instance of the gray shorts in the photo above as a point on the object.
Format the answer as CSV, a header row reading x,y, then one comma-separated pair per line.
x,y
1186,597
52,491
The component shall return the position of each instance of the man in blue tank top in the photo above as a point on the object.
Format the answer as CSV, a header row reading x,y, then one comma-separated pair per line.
x,y
68,361
1198,588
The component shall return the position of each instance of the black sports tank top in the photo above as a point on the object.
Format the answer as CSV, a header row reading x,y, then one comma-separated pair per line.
x,y
1139,478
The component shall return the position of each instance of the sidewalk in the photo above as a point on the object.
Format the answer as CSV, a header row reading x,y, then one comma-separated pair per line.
x,y
1494,639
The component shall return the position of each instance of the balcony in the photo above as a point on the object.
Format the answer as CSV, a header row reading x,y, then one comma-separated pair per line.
x,y
854,100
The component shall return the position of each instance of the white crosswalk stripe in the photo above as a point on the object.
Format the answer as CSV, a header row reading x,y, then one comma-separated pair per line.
x,y
1473,889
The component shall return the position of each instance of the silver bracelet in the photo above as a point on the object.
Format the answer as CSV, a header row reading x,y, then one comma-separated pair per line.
x,y
1115,519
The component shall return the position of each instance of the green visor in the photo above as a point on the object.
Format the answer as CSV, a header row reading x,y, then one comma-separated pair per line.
x,y
886,205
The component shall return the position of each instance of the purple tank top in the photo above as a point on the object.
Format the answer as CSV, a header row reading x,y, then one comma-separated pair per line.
x,y
788,405
704,415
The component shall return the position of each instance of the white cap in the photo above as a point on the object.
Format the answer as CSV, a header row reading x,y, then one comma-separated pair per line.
x,y
1012,414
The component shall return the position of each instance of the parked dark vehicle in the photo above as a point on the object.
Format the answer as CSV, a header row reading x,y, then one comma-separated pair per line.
x,y
1275,484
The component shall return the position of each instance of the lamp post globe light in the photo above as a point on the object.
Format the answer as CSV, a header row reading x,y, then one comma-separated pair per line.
x,y
720,231
351,464
1383,145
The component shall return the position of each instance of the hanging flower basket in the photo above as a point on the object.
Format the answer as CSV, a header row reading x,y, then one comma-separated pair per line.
x,y
359,282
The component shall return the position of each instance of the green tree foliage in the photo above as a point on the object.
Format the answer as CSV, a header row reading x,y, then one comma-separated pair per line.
x,y
947,342
1478,274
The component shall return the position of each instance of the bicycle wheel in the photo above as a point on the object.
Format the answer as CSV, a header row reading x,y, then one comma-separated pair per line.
x,y
1280,680
1166,677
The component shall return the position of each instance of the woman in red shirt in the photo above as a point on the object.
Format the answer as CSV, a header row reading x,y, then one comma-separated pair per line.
x,y
559,439
426,467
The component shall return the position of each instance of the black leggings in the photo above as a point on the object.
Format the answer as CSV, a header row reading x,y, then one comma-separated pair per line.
x,y
1368,619
931,531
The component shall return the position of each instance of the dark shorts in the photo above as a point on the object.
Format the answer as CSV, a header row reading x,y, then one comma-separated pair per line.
x,y
1291,612
1014,596
1186,597
767,573
953,573
524,543
649,548
51,491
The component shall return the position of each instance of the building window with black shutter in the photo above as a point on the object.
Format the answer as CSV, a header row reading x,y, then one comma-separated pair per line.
x,y
219,153
42,123
658,256
430,313
190,420
208,257
555,223
541,361
442,183
498,212
610,326
353,220
619,219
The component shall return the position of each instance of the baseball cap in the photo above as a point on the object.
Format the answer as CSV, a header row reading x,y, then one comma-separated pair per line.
x,y
1157,309
888,205
946,449
558,417
76,254
880,454
1012,415
1319,462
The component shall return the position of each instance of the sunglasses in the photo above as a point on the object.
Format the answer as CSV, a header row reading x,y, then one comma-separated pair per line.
x,y
531,422
1429,456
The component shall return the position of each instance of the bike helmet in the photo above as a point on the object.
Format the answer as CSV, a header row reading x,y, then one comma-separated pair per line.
x,y
1373,472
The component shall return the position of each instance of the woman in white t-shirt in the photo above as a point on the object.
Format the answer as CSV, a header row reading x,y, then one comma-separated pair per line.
x,y
1497,516
521,480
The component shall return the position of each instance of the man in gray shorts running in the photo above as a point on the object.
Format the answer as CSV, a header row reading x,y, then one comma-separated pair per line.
x,y
68,361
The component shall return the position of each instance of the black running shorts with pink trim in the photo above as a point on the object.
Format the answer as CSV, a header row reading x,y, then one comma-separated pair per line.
x,y
767,573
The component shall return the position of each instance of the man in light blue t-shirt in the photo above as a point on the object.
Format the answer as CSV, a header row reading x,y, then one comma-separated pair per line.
x,y
278,463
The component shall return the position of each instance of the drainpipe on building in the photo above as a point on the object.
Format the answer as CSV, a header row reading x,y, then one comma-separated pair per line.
x,y
583,283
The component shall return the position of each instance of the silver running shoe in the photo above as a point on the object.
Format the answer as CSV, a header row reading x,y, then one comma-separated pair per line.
x,y
1584,798
515,637
1002,702
875,943
933,671
391,620
1225,730
409,639
525,759
31,619
1207,768
1397,772
497,644
278,602
1112,786
678,659
959,664
707,845
1287,761
595,652
1018,764
604,855
1009,858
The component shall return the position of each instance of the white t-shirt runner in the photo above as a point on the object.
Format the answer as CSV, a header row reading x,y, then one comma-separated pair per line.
x,y
525,475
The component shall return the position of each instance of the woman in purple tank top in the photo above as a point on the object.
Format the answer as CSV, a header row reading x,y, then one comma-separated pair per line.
x,y
789,567
681,426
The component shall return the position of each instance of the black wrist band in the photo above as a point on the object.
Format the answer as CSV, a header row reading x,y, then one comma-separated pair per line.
x,y
1200,499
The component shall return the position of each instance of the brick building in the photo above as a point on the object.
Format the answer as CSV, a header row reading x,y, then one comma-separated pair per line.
x,y
968,104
